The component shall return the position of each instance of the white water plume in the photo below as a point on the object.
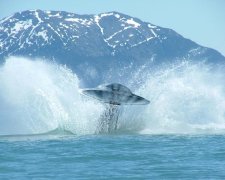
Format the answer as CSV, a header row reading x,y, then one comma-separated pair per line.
x,y
185,98
37,96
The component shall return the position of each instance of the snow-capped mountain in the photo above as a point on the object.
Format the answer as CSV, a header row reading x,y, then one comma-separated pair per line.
x,y
93,44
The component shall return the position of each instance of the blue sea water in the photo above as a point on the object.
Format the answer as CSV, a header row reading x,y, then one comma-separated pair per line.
x,y
112,157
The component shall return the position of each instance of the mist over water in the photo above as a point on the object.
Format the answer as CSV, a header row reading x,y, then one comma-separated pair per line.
x,y
37,96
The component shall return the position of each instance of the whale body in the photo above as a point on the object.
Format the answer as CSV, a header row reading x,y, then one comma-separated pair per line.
x,y
115,94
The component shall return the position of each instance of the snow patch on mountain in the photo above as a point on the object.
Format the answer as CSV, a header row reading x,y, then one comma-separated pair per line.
x,y
21,25
133,23
106,14
153,32
81,21
97,18
37,16
141,42
43,34
151,26
117,15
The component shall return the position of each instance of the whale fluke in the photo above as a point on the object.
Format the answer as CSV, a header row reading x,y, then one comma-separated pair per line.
x,y
116,94
113,95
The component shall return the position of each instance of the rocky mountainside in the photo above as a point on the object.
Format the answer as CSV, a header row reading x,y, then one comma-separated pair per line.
x,y
94,45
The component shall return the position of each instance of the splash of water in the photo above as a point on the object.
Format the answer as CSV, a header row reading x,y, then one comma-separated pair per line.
x,y
38,96
185,98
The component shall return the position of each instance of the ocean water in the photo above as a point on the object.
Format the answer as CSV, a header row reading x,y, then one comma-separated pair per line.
x,y
48,129
113,157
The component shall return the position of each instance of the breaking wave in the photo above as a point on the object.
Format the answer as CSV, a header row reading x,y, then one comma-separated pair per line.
x,y
37,96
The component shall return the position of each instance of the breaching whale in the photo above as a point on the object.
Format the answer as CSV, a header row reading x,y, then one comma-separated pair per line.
x,y
114,95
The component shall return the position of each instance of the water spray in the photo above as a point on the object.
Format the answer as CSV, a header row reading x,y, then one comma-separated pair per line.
x,y
113,95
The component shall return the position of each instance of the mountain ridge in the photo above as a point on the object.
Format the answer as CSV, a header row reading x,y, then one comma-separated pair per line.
x,y
103,41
